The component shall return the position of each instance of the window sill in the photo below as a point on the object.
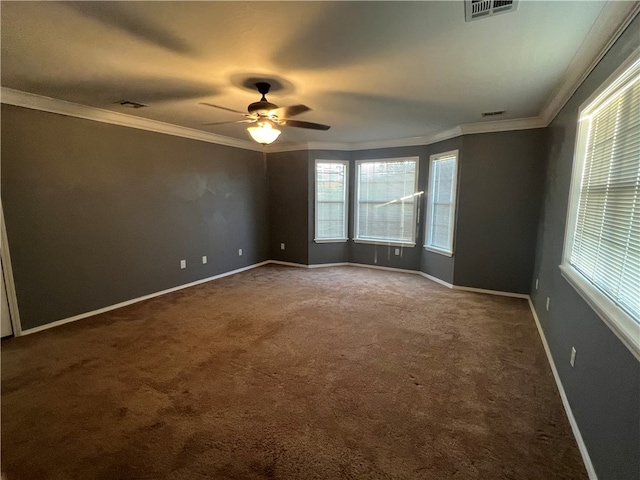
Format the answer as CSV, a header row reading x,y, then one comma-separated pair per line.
x,y
383,242
437,250
624,327
330,240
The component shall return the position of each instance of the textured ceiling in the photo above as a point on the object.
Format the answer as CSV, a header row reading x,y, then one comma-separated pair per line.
x,y
371,70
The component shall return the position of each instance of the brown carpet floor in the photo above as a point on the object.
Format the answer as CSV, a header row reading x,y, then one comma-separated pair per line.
x,y
286,373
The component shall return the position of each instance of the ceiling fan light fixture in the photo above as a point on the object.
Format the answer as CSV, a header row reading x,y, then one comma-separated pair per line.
x,y
264,133
267,117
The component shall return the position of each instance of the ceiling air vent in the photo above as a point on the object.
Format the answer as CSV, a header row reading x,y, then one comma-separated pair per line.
x,y
127,103
476,9
493,114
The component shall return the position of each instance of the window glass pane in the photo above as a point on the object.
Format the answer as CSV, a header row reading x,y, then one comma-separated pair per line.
x,y
440,233
444,180
386,202
441,202
331,195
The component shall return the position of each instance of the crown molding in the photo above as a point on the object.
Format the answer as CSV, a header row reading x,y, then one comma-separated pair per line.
x,y
615,17
467,129
409,142
296,146
18,98
503,125
38,102
33,101
62,107
377,144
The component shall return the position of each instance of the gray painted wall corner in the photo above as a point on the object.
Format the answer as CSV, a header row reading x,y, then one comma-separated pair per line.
x,y
501,182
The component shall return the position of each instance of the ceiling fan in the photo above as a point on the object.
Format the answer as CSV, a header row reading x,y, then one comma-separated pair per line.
x,y
267,116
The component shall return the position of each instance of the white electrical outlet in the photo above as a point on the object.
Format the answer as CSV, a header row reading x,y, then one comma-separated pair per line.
x,y
240,252
536,283
397,251
548,300
282,246
204,259
573,356
183,264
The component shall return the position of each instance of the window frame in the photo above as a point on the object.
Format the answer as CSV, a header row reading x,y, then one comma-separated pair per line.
x,y
345,198
430,202
623,325
356,202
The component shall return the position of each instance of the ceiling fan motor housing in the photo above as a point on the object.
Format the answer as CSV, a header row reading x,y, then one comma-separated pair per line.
x,y
263,106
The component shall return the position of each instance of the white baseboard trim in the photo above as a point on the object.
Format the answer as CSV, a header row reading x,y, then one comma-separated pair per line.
x,y
380,267
288,264
567,408
436,279
491,292
275,262
402,270
341,264
323,265
136,300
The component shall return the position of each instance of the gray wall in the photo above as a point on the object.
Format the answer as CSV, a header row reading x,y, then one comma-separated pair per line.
x,y
500,190
603,388
97,214
288,206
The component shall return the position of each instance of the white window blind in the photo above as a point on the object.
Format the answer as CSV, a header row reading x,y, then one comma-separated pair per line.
x,y
606,248
331,200
602,249
386,200
441,205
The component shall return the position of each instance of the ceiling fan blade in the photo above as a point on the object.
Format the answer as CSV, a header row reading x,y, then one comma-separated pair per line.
x,y
226,123
291,111
299,124
222,108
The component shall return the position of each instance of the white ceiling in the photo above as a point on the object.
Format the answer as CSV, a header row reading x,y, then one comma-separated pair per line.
x,y
371,70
